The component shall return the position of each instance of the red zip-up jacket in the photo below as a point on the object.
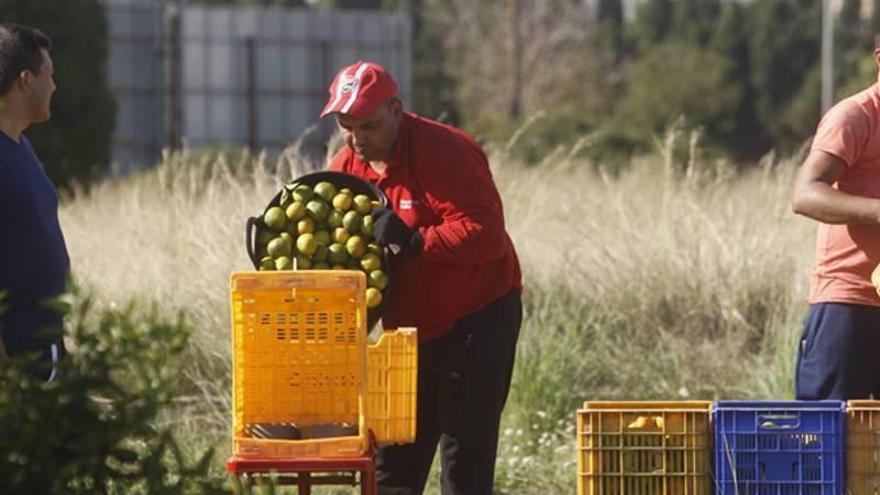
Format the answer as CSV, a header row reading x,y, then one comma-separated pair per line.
x,y
438,180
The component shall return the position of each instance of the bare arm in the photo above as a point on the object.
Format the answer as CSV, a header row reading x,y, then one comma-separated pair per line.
x,y
814,197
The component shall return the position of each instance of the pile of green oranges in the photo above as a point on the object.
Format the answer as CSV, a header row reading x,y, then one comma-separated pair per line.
x,y
323,228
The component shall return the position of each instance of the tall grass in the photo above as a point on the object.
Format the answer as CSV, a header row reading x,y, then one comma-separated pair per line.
x,y
673,278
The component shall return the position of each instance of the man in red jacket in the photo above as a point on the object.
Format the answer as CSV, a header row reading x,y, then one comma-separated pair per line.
x,y
456,277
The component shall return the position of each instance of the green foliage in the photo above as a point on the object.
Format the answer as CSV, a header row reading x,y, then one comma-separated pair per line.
x,y
731,40
653,21
609,29
273,3
849,30
433,91
94,428
694,20
784,49
83,108
693,86
874,23
349,4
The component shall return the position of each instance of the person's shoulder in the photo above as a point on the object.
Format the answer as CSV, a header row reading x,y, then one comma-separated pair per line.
x,y
341,161
11,153
860,108
438,134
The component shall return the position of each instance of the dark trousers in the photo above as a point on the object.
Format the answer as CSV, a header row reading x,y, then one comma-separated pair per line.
x,y
45,356
464,378
839,353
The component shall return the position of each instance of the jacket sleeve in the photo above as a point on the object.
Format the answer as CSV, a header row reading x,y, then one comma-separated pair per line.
x,y
458,186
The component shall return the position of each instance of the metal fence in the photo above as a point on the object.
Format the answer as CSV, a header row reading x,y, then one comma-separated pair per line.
x,y
250,76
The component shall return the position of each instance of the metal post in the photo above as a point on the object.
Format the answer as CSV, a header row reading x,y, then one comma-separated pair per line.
x,y
175,99
827,55
252,101
516,59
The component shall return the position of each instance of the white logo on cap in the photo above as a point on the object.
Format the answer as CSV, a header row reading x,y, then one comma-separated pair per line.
x,y
349,83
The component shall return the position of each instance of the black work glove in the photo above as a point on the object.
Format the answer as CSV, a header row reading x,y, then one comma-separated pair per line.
x,y
389,230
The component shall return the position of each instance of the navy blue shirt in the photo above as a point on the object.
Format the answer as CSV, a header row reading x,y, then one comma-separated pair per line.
x,y
33,256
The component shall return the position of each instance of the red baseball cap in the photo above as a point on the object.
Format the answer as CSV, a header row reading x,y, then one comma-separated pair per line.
x,y
358,89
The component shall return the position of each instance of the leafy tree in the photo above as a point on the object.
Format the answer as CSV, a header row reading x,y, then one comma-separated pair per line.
x,y
75,145
273,3
653,21
693,86
731,40
784,48
694,20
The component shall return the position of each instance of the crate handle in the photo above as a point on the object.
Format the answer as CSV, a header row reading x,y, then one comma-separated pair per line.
x,y
779,421
645,422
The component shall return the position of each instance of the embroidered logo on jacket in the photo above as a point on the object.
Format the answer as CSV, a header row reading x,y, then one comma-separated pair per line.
x,y
407,204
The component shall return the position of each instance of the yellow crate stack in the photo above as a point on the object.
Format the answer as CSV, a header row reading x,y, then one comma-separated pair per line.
x,y
863,447
300,357
644,448
392,364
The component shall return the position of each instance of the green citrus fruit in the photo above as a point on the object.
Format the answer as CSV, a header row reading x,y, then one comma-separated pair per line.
x,y
278,247
303,194
337,254
340,235
352,222
322,237
283,263
362,204
355,246
371,262
334,219
321,253
326,190
264,237
367,225
317,210
374,297
274,218
305,244
303,262
295,211
342,202
377,279
267,263
305,226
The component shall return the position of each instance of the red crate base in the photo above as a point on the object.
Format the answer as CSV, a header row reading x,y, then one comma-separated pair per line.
x,y
302,469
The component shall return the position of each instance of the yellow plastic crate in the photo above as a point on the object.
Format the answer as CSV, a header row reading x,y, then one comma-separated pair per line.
x,y
644,448
392,366
299,346
863,447
301,364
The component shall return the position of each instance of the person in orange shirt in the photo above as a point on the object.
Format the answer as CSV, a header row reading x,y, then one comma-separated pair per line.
x,y
839,186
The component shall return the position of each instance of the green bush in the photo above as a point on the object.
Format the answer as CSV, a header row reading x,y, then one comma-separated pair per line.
x,y
676,80
75,145
94,428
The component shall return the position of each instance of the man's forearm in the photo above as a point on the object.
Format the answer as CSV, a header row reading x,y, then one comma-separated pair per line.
x,y
826,204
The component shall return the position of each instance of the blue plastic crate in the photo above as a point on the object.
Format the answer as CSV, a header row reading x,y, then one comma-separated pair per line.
x,y
779,448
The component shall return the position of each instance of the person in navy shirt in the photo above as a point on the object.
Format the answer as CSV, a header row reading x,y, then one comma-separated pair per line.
x,y
34,264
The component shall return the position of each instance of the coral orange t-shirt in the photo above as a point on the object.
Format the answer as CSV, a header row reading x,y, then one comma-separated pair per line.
x,y
847,254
